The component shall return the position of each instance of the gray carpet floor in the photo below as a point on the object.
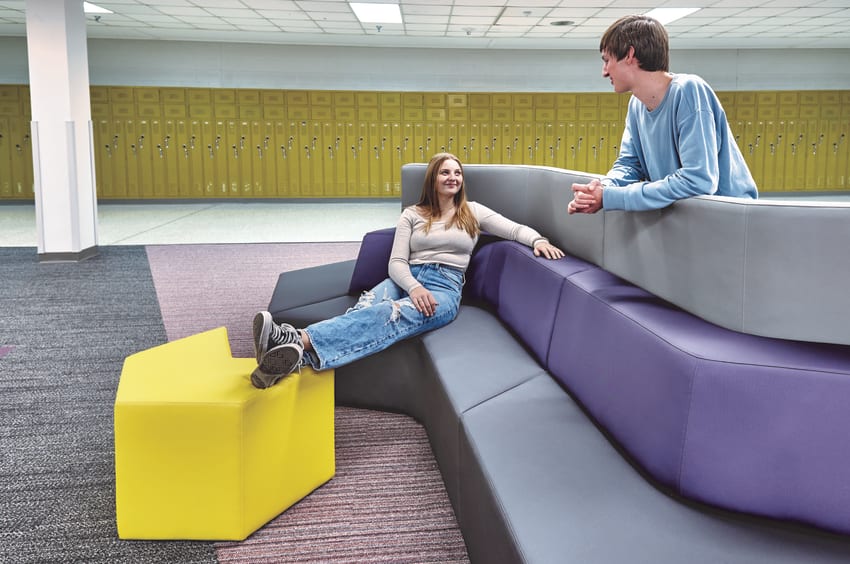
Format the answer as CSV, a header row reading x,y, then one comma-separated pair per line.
x,y
66,329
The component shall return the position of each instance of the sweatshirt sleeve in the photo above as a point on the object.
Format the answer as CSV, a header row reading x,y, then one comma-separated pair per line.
x,y
670,156
696,175
399,266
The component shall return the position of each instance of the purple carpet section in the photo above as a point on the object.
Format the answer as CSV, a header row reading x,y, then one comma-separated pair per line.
x,y
4,350
201,287
387,501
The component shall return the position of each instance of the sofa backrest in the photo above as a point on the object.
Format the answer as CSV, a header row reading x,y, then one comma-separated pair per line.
x,y
766,267
532,195
523,290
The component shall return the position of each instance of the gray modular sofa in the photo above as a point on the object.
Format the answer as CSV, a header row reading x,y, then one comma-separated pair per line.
x,y
579,417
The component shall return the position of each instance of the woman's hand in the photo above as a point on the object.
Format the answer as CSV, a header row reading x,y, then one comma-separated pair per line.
x,y
547,250
423,301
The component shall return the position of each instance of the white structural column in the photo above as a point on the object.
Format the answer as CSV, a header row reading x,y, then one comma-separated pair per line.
x,y
62,144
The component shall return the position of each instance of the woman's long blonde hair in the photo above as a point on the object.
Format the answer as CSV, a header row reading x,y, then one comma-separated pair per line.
x,y
429,204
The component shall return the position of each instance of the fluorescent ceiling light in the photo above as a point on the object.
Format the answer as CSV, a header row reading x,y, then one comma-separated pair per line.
x,y
92,9
667,15
376,13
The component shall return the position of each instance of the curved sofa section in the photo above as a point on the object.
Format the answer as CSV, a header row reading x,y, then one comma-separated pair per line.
x,y
708,429
775,268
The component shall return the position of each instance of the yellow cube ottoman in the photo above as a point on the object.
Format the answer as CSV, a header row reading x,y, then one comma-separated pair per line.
x,y
200,454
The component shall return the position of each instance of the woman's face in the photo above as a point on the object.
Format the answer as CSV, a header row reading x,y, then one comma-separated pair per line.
x,y
449,179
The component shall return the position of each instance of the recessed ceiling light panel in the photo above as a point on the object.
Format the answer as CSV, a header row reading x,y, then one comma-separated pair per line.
x,y
376,13
89,8
667,15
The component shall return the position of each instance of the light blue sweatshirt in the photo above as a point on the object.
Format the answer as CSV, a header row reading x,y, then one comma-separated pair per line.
x,y
682,148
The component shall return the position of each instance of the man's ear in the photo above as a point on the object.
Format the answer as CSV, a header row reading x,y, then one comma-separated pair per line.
x,y
630,56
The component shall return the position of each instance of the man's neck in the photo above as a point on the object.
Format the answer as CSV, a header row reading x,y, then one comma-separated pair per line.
x,y
653,88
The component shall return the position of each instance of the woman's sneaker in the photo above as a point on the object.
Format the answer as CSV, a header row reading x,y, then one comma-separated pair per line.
x,y
268,335
276,363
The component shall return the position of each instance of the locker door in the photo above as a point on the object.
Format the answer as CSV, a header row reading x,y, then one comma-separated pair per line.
x,y
336,159
843,156
580,148
171,154
352,159
304,157
283,162
391,159
220,158
116,137
130,149
544,140
28,180
145,160
102,159
486,142
528,143
388,151
266,155
243,158
797,136
832,149
603,147
253,158
19,140
787,151
559,145
198,155
182,156
615,135
130,143
295,158
363,156
506,144
5,159
421,143
439,136
376,186
769,158
158,160
516,141
754,132
430,143
472,148
213,184
778,146
591,142
451,138
815,156
316,158
407,143
232,132
571,145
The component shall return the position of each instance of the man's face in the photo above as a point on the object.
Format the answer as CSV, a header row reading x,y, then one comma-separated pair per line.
x,y
617,71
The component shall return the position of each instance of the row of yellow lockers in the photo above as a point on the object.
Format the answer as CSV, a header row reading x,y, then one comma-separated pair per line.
x,y
141,156
223,103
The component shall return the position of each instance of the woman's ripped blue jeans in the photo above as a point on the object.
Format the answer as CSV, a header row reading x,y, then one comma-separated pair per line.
x,y
382,316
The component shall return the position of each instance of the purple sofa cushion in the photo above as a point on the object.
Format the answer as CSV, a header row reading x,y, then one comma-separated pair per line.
x,y
484,273
373,260
523,289
634,382
743,422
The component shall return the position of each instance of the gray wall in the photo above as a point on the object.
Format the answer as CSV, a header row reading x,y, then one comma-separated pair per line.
x,y
239,65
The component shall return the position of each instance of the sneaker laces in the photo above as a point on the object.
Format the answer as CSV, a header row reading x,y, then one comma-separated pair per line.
x,y
284,334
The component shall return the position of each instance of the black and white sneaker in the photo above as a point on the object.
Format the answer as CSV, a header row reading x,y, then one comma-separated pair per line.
x,y
276,363
267,334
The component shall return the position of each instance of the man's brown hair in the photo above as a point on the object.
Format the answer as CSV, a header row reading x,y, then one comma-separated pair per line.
x,y
645,34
